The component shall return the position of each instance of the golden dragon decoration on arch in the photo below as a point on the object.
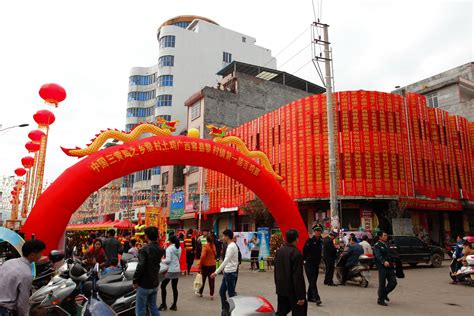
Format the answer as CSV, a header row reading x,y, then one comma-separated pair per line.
x,y
220,137
160,128
166,128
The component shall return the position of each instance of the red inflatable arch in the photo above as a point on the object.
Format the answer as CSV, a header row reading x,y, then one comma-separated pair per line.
x,y
52,211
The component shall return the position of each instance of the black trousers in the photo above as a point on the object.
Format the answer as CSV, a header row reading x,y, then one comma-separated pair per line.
x,y
345,273
288,304
174,286
387,281
189,260
329,262
312,269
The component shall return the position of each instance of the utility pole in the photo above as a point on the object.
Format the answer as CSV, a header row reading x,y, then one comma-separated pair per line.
x,y
328,83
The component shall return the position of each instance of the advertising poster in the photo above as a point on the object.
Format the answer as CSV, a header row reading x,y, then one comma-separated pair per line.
x,y
243,242
152,216
177,205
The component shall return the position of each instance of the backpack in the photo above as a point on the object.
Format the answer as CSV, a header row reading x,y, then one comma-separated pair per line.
x,y
240,255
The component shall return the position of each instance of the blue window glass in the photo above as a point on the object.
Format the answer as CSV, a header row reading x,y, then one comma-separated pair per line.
x,y
165,117
141,95
164,100
167,41
156,170
166,61
165,81
139,112
142,80
182,24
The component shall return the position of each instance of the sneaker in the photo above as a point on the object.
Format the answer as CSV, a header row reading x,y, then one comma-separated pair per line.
x,y
318,302
386,298
173,308
198,294
382,303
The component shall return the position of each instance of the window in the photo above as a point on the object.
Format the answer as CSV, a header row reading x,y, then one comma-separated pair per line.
x,y
166,61
127,181
141,95
156,170
182,24
165,81
167,41
143,175
165,178
142,80
129,127
164,100
196,110
165,117
227,57
193,169
140,112
244,39
432,99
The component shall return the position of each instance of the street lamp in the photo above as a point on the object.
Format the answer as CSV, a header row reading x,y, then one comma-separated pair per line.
x,y
10,127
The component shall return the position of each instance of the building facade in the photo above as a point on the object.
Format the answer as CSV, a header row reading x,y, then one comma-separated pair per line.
x,y
245,93
192,50
452,90
402,166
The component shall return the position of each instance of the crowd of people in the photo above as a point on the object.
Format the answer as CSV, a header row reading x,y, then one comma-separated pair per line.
x,y
216,256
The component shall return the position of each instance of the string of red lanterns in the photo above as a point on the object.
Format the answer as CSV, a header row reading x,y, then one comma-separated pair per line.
x,y
33,167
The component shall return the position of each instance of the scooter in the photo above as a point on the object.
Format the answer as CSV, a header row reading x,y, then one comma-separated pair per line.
x,y
465,274
360,273
69,296
45,270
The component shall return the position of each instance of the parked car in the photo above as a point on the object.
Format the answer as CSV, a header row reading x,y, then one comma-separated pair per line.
x,y
414,251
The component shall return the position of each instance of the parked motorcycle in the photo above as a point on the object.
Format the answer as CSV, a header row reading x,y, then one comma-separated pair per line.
x,y
81,291
359,274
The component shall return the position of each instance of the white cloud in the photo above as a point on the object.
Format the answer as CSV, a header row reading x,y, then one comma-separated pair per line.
x,y
89,47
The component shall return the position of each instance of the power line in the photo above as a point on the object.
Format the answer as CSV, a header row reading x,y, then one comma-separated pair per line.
x,y
287,46
299,52
306,63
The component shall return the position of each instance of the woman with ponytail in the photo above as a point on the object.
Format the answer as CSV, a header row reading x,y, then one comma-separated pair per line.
x,y
173,253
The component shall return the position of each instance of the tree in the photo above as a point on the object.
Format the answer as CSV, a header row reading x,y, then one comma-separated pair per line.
x,y
258,212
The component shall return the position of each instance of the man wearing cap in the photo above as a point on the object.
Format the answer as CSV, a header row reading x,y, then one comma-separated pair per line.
x,y
312,253
330,255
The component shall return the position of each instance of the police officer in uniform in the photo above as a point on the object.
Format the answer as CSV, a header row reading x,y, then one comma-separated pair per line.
x,y
312,253
385,261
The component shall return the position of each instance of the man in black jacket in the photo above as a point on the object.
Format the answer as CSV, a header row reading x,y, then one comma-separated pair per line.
x,y
385,261
289,278
145,279
312,253
330,256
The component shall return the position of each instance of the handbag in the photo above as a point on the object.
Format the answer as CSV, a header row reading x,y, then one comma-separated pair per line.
x,y
399,269
197,282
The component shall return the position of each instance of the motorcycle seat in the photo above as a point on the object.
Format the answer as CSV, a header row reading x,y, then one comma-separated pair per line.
x,y
115,290
110,277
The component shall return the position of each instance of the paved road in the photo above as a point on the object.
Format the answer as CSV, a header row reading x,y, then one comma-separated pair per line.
x,y
424,291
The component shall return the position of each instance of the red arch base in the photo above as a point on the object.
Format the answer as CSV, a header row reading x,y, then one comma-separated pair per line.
x,y
51,214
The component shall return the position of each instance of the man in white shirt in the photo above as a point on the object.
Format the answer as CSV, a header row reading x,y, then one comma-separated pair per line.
x,y
366,246
229,266
16,278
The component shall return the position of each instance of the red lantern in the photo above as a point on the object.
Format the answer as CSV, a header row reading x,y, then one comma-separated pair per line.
x,y
12,201
36,135
52,93
19,182
32,147
20,172
13,193
44,117
27,161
